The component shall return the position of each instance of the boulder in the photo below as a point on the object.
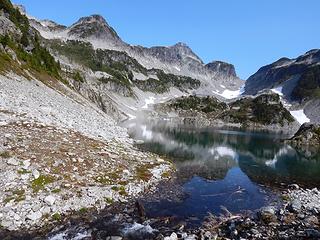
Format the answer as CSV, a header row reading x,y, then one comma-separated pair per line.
x,y
50,200
295,206
34,215
267,214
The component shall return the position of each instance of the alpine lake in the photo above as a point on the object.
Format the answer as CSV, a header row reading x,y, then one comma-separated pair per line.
x,y
222,169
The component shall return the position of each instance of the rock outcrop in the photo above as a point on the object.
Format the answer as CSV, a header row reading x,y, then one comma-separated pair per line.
x,y
223,68
307,135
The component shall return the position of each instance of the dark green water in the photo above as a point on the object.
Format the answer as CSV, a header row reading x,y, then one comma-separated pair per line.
x,y
224,167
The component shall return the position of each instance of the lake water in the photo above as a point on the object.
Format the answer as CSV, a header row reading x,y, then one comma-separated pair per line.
x,y
219,168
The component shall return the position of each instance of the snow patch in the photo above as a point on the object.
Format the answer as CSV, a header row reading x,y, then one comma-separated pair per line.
x,y
277,90
131,116
148,101
230,94
178,69
300,116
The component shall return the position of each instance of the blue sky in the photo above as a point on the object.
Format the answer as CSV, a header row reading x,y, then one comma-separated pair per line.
x,y
246,33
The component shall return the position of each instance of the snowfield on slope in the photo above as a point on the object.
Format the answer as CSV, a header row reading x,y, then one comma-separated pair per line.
x,y
278,90
300,116
230,94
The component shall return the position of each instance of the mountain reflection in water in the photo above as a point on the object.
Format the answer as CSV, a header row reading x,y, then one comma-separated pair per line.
x,y
223,167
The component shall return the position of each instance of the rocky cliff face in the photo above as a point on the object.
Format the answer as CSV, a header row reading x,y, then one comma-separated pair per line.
x,y
94,27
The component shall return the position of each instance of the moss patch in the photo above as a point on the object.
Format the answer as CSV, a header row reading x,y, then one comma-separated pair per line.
x,y
5,154
41,182
143,172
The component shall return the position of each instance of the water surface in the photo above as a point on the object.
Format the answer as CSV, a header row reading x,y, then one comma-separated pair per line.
x,y
223,168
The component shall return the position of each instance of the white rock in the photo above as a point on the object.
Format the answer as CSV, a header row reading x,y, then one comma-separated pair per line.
x,y
13,161
34,216
8,135
173,236
16,217
26,163
45,210
36,174
24,176
6,223
50,200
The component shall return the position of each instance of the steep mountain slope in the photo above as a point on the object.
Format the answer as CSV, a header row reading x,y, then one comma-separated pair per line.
x,y
59,152
297,80
298,75
178,59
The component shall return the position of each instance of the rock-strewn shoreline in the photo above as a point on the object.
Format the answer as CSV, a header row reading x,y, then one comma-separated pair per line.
x,y
295,216
47,172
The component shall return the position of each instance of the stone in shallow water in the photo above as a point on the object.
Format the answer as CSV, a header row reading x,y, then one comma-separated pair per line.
x,y
313,233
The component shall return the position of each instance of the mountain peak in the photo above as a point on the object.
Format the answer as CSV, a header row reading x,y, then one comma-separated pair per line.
x,y
94,27
181,44
91,19
222,67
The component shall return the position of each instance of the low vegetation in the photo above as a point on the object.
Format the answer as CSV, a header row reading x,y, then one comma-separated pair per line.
x,y
165,81
39,183
202,104
265,109
28,48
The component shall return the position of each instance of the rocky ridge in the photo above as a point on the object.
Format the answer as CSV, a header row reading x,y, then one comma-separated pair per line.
x,y
178,59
